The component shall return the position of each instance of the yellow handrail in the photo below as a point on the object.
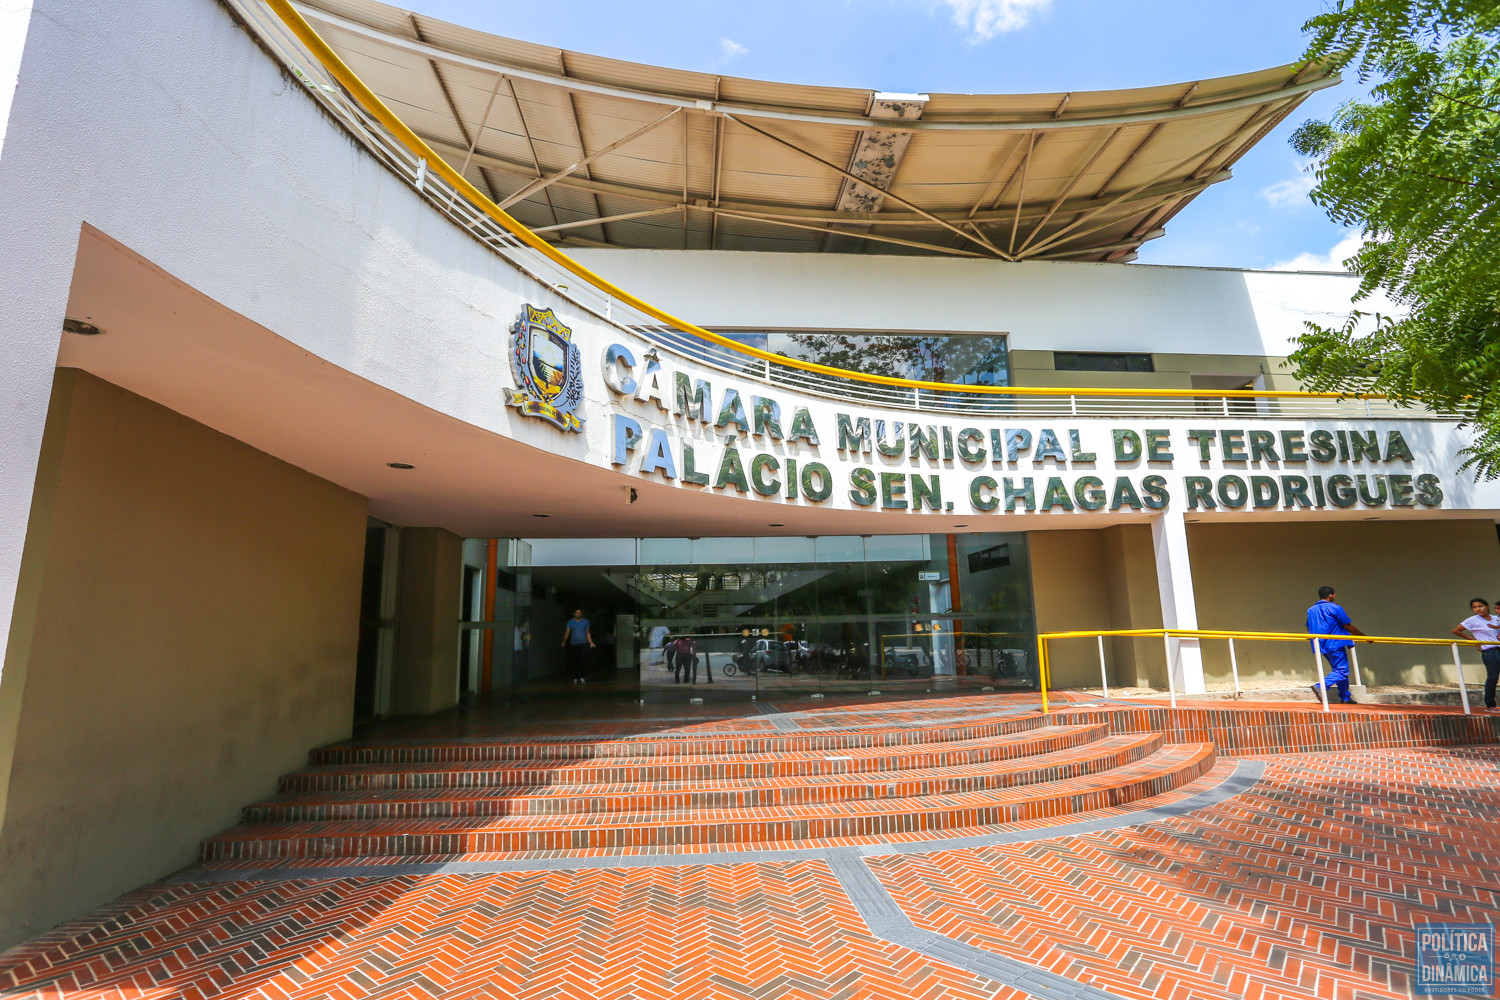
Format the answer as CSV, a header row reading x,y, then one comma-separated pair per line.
x,y
414,143
1044,656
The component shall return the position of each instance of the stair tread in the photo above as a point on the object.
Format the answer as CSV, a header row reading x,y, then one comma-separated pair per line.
x,y
914,735
1164,761
1092,750
601,763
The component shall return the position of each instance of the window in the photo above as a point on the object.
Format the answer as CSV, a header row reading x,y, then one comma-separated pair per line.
x,y
1076,361
964,358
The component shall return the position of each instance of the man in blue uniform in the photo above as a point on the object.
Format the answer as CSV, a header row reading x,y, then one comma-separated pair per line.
x,y
1327,618
577,640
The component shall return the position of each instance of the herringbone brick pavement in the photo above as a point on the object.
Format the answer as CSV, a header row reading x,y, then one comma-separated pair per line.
x,y
734,932
1306,886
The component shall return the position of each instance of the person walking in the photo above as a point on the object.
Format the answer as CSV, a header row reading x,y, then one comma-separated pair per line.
x,y
577,641
689,653
1485,628
1328,618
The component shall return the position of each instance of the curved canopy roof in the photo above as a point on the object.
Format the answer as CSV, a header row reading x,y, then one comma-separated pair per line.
x,y
591,151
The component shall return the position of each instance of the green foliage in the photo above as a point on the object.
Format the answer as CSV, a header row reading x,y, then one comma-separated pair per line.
x,y
1416,167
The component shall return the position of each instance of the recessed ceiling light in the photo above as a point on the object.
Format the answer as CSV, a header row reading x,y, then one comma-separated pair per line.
x,y
81,328
400,465
541,515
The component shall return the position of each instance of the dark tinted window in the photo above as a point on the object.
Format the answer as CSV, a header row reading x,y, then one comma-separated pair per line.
x,y
1074,361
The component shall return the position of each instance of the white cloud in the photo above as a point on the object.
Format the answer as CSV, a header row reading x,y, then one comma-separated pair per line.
x,y
731,49
1333,260
984,19
1289,193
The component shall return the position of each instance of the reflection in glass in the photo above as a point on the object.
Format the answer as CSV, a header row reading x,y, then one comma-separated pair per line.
x,y
769,614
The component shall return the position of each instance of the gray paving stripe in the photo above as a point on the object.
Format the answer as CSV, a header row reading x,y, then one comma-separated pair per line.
x,y
887,921
1244,776
780,720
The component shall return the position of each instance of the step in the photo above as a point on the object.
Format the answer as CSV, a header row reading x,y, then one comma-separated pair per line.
x,y
662,745
532,800
697,767
1160,772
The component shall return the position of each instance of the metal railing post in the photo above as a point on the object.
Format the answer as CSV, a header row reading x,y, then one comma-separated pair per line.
x,y
1166,644
1234,667
1463,689
1043,672
1354,662
1103,676
1318,675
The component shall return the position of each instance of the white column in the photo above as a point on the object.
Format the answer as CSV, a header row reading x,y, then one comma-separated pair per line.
x,y
1179,607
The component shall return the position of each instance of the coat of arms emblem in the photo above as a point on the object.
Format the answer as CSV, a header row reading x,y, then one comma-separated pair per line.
x,y
548,369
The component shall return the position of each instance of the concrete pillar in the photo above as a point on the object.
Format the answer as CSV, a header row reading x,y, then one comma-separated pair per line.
x,y
1179,606
424,677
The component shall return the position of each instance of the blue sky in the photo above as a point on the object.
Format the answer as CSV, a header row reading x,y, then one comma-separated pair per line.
x,y
1259,218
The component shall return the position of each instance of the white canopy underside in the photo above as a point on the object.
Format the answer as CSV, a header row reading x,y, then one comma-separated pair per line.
x,y
713,162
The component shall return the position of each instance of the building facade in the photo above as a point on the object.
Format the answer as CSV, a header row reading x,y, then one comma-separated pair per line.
x,y
298,435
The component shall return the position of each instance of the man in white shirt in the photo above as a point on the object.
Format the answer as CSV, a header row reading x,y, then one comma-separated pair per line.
x,y
1484,628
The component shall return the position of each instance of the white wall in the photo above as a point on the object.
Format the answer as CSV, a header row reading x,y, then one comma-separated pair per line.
x,y
1043,305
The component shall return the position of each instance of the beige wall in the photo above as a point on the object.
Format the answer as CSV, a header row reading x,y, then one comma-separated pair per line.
x,y
186,631
1409,578
425,674
1097,579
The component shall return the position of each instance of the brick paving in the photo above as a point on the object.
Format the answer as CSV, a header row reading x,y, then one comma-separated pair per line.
x,y
1308,885
1304,884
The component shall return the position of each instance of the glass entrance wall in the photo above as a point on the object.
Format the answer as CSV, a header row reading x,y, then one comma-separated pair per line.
x,y
788,615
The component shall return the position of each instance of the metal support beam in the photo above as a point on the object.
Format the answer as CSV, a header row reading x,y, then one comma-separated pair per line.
x,y
530,145
893,197
664,210
515,168
1129,244
479,130
1181,102
458,119
1015,222
562,67
770,221
1068,189
548,181
1004,163
1055,237
1150,209
713,220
